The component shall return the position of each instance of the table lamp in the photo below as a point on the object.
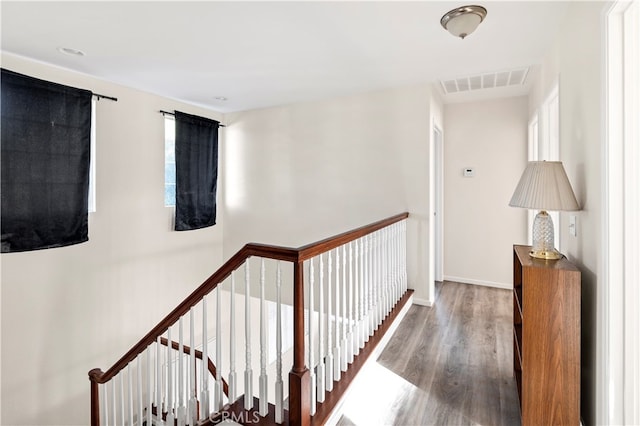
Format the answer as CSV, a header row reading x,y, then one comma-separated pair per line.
x,y
544,186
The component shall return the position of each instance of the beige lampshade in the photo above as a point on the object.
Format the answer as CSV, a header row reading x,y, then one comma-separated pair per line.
x,y
544,186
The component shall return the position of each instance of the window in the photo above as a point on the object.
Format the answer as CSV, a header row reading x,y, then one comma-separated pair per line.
x,y
169,162
532,156
544,145
92,161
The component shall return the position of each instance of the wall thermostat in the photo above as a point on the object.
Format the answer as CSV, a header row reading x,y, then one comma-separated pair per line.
x,y
468,172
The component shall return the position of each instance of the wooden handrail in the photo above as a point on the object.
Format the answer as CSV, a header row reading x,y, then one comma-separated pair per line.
x,y
261,250
323,246
295,255
198,354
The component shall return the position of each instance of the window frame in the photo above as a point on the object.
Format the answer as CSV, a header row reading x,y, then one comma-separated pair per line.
x,y
169,146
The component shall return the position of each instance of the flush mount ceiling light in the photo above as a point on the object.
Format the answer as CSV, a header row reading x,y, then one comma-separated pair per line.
x,y
70,51
464,20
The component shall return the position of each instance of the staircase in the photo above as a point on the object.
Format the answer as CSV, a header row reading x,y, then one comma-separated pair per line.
x,y
318,311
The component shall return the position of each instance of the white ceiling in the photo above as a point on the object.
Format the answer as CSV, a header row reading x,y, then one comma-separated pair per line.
x,y
260,54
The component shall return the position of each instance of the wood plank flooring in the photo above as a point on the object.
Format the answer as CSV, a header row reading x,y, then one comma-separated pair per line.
x,y
449,364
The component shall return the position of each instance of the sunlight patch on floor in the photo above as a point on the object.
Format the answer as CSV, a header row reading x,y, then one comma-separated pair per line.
x,y
374,395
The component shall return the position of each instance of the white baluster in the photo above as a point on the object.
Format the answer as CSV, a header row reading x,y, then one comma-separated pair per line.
x,y
394,261
376,280
182,409
204,370
248,372
193,400
149,385
232,341
364,336
171,417
380,281
385,277
122,398
370,281
312,369
158,378
140,402
114,401
387,264
344,351
365,292
337,356
279,415
104,390
263,402
321,373
329,357
218,399
350,310
383,280
361,331
130,392
390,266
356,297
404,254
398,269
399,259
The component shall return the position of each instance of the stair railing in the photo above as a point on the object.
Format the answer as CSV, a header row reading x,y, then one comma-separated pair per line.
x,y
356,277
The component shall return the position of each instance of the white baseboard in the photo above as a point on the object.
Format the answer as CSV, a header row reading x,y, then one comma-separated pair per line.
x,y
508,286
422,302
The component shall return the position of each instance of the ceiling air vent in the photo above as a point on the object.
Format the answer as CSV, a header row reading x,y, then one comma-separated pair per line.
x,y
514,77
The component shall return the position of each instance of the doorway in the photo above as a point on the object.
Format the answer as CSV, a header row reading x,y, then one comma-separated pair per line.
x,y
438,188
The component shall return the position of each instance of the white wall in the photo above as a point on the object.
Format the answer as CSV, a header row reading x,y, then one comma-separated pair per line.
x,y
479,226
68,310
576,62
300,173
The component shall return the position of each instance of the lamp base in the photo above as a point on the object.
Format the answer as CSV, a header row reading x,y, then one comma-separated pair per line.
x,y
546,254
543,245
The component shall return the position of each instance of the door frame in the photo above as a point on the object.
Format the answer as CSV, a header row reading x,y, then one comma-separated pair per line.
x,y
619,350
437,165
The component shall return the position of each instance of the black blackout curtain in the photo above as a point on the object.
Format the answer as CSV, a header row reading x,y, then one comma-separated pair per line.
x,y
196,171
45,148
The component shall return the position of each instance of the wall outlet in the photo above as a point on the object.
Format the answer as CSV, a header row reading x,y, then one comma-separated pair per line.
x,y
573,228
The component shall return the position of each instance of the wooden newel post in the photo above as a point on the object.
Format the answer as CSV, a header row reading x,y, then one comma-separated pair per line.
x,y
299,392
95,397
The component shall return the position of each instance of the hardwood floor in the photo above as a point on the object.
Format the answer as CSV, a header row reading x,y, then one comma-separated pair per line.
x,y
450,364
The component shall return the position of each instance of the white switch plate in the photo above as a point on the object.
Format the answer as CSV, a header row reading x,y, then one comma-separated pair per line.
x,y
468,172
573,229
